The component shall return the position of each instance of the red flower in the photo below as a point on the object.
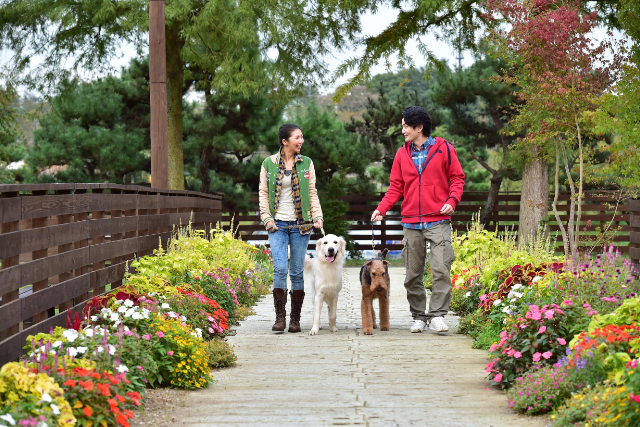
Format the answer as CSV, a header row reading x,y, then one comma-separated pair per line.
x,y
120,398
122,420
70,383
88,385
112,402
87,411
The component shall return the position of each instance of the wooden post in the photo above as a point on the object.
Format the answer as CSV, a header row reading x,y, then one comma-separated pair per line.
x,y
158,83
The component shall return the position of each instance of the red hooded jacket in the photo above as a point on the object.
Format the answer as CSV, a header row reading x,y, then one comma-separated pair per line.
x,y
441,181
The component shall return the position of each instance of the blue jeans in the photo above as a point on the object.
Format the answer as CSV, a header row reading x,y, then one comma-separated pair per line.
x,y
279,241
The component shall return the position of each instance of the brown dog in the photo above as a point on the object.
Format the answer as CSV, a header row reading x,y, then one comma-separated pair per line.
x,y
374,279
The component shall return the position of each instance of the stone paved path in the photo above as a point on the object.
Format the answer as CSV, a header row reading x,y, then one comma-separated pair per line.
x,y
392,378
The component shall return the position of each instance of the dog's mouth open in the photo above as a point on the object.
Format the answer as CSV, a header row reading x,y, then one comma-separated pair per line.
x,y
330,258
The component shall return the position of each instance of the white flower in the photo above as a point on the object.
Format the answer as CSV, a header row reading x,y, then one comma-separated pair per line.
x,y
112,349
88,332
172,314
136,316
100,349
122,309
55,409
116,323
8,418
145,313
496,303
507,310
114,317
467,295
52,352
94,318
82,349
70,335
118,302
46,398
183,318
152,294
535,279
71,351
126,328
42,424
165,305
517,286
129,312
128,303
56,344
123,369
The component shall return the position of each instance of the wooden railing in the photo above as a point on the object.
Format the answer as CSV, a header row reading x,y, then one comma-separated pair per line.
x,y
61,244
634,249
598,210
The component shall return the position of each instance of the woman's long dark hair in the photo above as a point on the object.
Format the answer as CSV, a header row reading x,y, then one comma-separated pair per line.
x,y
285,131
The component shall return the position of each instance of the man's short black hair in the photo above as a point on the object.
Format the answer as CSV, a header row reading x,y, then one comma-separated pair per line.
x,y
416,116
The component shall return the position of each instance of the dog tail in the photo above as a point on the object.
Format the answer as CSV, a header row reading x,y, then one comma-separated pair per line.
x,y
308,262
384,253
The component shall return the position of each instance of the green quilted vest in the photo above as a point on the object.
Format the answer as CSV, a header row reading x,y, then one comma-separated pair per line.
x,y
302,169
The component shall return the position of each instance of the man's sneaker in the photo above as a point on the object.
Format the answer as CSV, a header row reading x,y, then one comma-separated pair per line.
x,y
418,326
437,324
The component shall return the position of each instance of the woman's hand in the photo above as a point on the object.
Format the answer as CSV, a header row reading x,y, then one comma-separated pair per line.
x,y
271,226
375,216
318,224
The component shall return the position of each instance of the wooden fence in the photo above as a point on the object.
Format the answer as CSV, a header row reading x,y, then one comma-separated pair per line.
x,y
61,244
598,210
634,249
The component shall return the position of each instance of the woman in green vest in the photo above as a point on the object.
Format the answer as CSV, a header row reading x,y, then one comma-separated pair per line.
x,y
289,205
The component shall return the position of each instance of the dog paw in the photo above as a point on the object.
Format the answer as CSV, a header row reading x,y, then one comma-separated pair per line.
x,y
375,326
313,331
384,329
367,331
333,329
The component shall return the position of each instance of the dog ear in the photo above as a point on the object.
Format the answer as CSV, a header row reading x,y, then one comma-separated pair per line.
x,y
385,262
368,263
343,245
318,243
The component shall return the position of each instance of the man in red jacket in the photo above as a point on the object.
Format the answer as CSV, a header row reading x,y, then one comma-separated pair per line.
x,y
426,171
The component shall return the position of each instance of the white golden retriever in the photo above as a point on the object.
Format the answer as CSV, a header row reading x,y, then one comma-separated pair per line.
x,y
325,273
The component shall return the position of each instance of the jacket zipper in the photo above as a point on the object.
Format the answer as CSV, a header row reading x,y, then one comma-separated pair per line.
x,y
420,179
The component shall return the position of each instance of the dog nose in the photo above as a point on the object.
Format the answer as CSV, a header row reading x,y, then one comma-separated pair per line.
x,y
330,250
379,289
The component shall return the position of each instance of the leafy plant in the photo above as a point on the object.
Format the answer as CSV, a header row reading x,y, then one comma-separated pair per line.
x,y
220,354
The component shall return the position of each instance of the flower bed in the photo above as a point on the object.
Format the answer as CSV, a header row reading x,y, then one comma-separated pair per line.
x,y
164,327
563,335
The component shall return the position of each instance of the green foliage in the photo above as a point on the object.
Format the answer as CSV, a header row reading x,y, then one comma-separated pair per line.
x,y
221,354
332,148
334,208
10,148
488,335
98,130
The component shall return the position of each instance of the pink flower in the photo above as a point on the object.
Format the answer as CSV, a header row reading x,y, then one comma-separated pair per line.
x,y
498,378
542,329
483,297
493,347
547,354
567,302
536,356
210,330
503,334
160,334
562,341
140,368
522,326
147,337
536,316
197,278
170,353
548,314
517,355
511,352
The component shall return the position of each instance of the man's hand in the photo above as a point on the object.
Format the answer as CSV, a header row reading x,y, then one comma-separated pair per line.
x,y
318,224
271,226
375,216
447,209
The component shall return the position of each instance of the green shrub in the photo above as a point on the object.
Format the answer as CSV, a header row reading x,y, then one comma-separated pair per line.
x,y
220,354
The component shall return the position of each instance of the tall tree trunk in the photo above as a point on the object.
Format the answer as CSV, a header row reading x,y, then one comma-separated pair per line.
x,y
572,204
175,80
205,161
556,187
580,185
534,201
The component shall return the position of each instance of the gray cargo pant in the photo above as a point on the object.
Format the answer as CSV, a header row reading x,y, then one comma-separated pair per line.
x,y
414,256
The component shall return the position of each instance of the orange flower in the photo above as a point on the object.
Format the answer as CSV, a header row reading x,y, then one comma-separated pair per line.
x,y
112,402
104,389
70,383
87,411
88,385
122,420
120,398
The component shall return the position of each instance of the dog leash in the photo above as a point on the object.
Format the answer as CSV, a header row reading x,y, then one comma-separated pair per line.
x,y
396,217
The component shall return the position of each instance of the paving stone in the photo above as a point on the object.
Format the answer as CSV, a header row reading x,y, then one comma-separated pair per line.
x,y
392,378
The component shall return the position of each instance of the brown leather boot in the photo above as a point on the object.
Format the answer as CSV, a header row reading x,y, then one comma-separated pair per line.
x,y
297,297
280,303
